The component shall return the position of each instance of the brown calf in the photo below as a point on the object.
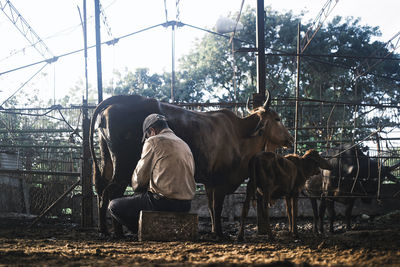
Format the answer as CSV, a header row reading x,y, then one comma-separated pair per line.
x,y
275,176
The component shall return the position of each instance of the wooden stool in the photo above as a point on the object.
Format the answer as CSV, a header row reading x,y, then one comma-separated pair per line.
x,y
167,226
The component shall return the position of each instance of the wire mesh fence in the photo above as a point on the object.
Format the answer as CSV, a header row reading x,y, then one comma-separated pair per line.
x,y
41,154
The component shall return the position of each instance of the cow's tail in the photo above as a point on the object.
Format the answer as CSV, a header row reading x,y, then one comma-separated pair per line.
x,y
100,107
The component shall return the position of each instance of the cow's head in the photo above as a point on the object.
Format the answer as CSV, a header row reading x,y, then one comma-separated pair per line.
x,y
317,162
270,127
387,172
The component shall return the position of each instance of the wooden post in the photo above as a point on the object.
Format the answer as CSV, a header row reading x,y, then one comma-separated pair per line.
x,y
86,170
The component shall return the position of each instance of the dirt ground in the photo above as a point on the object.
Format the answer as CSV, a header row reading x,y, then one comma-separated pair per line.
x,y
372,242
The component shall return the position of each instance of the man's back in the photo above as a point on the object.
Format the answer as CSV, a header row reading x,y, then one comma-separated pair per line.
x,y
173,166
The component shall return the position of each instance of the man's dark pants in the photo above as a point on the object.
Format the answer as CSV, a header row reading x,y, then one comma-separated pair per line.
x,y
126,210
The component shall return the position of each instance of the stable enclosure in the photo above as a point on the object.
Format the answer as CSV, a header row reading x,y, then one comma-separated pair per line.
x,y
48,203
49,165
40,160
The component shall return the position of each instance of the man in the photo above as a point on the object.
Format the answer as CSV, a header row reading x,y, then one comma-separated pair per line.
x,y
163,179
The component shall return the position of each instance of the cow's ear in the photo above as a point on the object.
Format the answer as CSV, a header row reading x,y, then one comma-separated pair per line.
x,y
321,162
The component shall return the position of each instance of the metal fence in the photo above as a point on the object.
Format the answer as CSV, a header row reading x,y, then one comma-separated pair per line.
x,y
43,152
41,149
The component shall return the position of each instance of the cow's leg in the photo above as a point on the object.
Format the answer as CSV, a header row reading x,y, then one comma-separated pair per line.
x,y
265,213
102,211
294,215
262,224
289,209
314,206
219,196
349,208
210,201
246,205
321,215
101,179
330,204
102,203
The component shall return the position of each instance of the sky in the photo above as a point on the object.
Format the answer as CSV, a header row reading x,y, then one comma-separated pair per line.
x,y
57,23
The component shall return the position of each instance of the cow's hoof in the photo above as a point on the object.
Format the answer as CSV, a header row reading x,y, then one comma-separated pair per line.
x,y
294,235
104,235
131,237
239,238
117,236
262,232
317,234
220,237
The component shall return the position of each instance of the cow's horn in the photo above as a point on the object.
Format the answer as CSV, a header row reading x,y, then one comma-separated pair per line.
x,y
248,105
395,166
267,102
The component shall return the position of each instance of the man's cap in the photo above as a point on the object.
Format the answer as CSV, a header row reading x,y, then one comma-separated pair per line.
x,y
149,121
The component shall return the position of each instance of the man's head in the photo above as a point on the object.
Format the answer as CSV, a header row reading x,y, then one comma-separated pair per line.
x,y
153,124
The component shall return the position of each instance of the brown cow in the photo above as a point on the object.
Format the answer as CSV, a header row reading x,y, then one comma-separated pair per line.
x,y
275,176
222,145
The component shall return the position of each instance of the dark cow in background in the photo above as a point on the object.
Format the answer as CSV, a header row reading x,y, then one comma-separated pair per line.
x,y
222,145
353,174
275,176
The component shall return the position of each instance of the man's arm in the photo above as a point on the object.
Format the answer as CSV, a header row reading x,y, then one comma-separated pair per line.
x,y
142,173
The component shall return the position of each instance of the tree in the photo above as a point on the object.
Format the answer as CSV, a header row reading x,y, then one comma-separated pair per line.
x,y
332,78
349,79
156,85
76,93
210,70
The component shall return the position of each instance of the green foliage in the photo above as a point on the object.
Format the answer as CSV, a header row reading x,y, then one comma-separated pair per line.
x,y
211,72
75,95
143,83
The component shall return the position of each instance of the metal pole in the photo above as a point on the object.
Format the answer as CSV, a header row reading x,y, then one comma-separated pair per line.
x,y
86,170
260,38
85,47
173,64
296,120
378,146
262,227
98,50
